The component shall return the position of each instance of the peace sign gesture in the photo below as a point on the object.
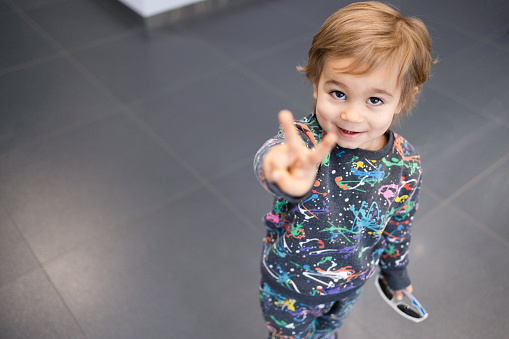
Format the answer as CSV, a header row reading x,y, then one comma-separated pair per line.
x,y
291,165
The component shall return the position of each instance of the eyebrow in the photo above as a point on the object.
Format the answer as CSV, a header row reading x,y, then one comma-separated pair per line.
x,y
374,90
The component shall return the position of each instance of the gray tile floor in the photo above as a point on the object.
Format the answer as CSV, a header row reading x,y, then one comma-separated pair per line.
x,y
128,207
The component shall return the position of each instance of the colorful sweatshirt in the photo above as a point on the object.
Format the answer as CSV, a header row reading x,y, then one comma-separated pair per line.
x,y
358,215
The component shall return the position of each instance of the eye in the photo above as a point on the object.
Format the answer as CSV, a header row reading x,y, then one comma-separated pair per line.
x,y
338,95
375,101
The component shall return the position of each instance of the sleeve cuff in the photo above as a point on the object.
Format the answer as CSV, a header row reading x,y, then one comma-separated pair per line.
x,y
397,279
277,191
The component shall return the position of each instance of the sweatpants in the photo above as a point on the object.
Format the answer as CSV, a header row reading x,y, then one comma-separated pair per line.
x,y
291,319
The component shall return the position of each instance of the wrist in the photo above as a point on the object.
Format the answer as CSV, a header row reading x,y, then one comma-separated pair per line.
x,y
397,278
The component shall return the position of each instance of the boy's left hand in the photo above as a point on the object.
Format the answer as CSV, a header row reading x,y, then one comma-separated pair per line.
x,y
400,294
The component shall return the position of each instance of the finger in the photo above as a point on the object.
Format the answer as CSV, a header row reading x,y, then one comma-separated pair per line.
x,y
276,159
323,148
398,295
286,120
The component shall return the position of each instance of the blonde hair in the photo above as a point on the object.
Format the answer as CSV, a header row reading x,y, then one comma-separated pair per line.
x,y
373,34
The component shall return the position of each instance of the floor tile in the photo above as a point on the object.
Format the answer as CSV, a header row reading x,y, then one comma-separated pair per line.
x,y
247,195
137,193
143,64
5,9
214,123
311,14
69,22
279,70
450,264
17,258
43,99
476,18
186,271
20,43
446,41
355,327
457,165
31,308
31,4
433,125
251,34
502,41
486,201
484,86
76,187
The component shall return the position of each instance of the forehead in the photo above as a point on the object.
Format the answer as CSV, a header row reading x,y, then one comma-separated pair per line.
x,y
385,74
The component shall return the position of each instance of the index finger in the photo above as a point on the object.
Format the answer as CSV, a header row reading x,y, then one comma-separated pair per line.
x,y
286,120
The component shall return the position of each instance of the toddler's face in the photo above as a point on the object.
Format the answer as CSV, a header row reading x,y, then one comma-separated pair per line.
x,y
357,108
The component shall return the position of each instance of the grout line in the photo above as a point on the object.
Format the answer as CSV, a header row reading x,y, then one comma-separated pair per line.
x,y
61,51
65,130
188,82
31,63
302,19
193,171
40,266
9,216
241,66
477,178
204,182
194,12
480,225
132,116
119,226
100,86
479,43
31,7
447,202
157,139
232,168
106,40
469,106
468,138
491,39
482,39
277,48
115,228
463,214
42,33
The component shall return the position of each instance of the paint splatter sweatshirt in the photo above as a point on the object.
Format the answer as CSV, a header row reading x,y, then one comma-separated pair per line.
x,y
358,215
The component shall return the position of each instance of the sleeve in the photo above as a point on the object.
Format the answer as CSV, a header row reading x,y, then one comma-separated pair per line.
x,y
397,235
260,155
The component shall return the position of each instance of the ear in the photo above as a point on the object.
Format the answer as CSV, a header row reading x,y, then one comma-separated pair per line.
x,y
315,90
402,104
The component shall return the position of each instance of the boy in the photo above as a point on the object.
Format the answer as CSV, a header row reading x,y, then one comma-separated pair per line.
x,y
346,187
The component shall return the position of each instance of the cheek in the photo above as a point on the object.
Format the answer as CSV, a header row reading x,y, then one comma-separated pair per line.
x,y
325,111
324,117
382,121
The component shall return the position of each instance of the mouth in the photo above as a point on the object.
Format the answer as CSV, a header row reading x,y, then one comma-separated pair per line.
x,y
347,133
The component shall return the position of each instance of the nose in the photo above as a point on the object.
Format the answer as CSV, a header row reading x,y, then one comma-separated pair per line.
x,y
352,113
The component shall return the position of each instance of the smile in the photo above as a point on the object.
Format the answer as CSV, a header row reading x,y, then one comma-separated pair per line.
x,y
347,133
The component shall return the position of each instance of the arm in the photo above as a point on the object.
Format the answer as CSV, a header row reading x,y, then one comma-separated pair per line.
x,y
397,236
288,163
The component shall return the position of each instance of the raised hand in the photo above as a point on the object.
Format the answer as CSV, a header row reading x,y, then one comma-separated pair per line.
x,y
291,165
